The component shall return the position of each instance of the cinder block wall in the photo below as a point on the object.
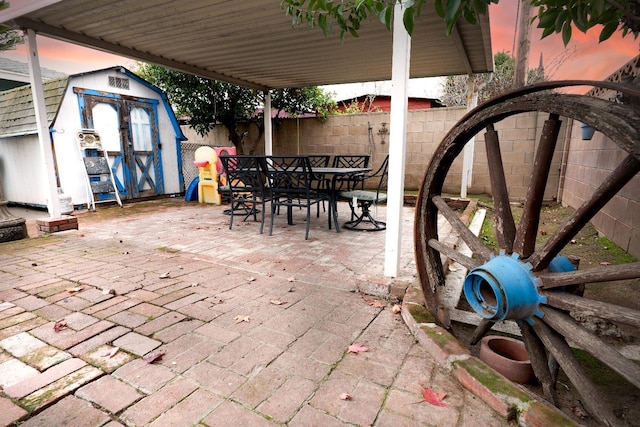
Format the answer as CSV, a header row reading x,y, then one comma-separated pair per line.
x,y
588,165
365,133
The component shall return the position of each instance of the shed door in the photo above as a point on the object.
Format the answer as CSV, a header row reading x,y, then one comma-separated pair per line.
x,y
129,132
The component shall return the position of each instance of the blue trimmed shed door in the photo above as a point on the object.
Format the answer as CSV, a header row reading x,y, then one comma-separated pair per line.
x,y
129,132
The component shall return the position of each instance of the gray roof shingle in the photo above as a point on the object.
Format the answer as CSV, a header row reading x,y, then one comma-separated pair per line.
x,y
17,115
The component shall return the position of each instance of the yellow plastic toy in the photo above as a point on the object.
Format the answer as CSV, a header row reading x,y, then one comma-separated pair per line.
x,y
205,160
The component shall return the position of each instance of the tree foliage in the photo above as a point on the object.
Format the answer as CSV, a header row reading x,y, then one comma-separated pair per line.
x,y
553,16
9,38
455,88
208,103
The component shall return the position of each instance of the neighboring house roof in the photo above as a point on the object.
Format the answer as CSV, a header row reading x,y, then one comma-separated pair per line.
x,y
15,73
17,116
376,103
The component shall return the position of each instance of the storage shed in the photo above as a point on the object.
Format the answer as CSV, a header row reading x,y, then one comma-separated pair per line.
x,y
137,126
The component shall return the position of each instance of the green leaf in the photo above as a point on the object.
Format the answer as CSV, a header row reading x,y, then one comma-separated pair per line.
x,y
566,33
385,16
322,23
407,19
547,32
607,31
452,8
439,8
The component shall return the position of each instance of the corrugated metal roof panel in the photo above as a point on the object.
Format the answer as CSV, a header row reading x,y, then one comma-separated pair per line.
x,y
252,42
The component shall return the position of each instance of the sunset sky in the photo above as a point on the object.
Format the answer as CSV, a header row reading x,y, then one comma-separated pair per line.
x,y
587,58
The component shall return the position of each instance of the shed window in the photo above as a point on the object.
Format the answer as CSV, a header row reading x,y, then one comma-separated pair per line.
x,y
119,82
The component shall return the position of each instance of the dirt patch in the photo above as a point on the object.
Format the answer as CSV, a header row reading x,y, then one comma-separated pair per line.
x,y
593,250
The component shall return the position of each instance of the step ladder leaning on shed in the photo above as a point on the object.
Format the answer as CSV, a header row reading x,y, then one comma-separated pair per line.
x,y
101,184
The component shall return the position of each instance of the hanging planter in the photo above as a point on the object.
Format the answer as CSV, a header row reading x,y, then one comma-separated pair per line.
x,y
587,131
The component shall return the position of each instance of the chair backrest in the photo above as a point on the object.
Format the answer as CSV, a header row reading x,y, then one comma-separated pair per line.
x,y
382,174
289,174
244,172
319,160
351,161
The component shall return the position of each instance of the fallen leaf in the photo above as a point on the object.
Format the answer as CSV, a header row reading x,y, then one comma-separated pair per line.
x,y
396,309
346,396
605,263
291,279
164,275
433,397
452,268
579,412
357,348
240,319
376,304
573,241
75,290
59,325
543,233
251,279
109,354
277,302
153,357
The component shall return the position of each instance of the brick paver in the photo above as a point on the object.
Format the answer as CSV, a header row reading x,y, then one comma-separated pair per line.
x,y
109,393
287,364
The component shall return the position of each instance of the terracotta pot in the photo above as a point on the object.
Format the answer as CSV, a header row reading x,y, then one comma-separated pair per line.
x,y
508,356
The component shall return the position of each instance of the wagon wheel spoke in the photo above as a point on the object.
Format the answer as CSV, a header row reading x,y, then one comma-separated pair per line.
x,y
539,361
463,260
505,226
481,330
602,310
559,348
565,325
474,243
614,182
594,275
525,240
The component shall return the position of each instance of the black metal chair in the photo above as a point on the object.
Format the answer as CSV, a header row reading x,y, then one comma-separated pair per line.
x,y
291,184
363,199
319,160
350,161
246,187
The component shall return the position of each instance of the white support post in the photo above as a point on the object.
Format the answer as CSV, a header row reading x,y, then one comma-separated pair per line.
x,y
46,152
397,142
268,127
469,148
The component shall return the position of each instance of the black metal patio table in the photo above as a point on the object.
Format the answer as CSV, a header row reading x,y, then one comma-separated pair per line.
x,y
335,176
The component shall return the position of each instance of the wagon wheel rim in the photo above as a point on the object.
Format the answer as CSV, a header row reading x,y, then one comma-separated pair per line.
x,y
543,316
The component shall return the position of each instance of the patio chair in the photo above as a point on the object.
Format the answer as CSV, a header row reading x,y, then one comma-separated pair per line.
x,y
320,161
363,199
246,187
291,184
350,161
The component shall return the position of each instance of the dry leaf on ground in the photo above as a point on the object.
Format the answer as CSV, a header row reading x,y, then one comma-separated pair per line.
x,y
396,309
109,354
357,348
59,325
433,397
376,304
153,357
346,396
165,275
240,319
75,289
277,302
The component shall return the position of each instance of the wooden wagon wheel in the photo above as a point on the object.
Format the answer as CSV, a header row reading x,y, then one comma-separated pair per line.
x,y
524,283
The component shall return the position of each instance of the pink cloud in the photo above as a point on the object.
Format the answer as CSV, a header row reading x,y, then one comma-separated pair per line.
x,y
590,60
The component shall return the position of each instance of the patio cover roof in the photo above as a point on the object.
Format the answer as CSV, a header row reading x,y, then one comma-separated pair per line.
x,y
251,42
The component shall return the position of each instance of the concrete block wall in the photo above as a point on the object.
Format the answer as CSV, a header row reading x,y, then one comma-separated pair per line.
x,y
588,165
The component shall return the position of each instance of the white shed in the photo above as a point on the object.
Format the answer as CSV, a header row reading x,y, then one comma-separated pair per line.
x,y
136,124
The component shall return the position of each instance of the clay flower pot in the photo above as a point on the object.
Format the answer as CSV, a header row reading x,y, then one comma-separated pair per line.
x,y
508,356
